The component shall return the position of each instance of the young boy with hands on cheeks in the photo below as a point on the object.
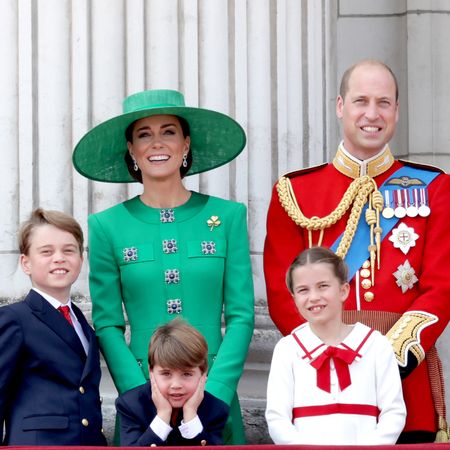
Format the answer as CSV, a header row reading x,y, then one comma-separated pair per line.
x,y
331,383
173,408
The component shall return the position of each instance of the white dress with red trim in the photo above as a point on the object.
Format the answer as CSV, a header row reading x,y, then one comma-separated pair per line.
x,y
348,395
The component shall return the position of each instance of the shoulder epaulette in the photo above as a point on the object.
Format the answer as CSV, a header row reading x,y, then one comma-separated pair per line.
x,y
299,172
421,165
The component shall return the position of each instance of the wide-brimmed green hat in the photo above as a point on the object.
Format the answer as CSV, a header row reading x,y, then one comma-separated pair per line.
x,y
215,138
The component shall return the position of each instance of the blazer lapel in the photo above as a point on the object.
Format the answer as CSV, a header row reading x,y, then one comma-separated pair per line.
x,y
92,360
47,314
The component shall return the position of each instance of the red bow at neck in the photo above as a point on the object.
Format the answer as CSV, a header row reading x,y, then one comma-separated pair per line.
x,y
342,358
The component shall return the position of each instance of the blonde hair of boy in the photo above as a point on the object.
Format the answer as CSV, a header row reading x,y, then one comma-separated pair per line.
x,y
57,219
178,345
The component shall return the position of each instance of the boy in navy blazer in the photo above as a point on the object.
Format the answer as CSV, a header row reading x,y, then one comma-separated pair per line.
x,y
173,408
49,360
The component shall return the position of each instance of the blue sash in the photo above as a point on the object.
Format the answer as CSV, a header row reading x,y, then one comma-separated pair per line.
x,y
358,251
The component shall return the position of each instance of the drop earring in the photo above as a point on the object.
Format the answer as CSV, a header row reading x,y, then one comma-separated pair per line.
x,y
135,166
185,163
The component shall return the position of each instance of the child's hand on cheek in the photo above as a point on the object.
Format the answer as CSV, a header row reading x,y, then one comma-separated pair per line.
x,y
163,407
191,406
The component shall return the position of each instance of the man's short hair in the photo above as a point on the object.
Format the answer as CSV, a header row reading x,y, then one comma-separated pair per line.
x,y
374,62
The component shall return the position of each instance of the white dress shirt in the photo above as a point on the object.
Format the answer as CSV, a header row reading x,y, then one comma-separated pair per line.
x,y
187,429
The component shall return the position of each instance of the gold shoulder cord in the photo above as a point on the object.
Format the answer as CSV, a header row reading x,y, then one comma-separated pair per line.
x,y
360,191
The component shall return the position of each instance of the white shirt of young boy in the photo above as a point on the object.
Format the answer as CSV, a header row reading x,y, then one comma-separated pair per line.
x,y
78,329
187,429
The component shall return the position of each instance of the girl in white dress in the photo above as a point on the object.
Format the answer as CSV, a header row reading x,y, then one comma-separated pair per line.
x,y
329,382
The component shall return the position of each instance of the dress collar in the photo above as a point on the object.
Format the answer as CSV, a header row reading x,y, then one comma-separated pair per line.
x,y
147,214
353,167
314,346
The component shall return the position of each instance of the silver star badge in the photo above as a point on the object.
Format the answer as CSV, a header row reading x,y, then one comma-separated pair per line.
x,y
405,276
404,238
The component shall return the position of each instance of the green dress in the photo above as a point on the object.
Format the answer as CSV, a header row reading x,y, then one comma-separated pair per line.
x,y
191,261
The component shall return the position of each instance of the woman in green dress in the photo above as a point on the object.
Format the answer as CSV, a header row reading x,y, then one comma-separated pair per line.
x,y
169,251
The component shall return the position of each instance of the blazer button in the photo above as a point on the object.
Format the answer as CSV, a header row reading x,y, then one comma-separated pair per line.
x,y
203,442
85,422
81,389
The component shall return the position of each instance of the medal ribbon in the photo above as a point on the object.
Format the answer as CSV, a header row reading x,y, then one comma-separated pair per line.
x,y
341,358
358,251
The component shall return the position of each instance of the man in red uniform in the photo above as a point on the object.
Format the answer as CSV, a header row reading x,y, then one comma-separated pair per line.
x,y
389,219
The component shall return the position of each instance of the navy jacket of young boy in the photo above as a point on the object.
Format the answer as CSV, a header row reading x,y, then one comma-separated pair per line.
x,y
49,387
136,411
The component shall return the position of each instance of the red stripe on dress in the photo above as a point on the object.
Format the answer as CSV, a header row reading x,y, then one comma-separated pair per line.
x,y
307,354
361,344
335,408
365,339
305,351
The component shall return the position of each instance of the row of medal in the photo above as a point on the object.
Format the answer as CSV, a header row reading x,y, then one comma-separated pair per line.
x,y
406,202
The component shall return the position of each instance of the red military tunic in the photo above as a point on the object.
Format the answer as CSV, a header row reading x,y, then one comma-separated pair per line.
x,y
421,298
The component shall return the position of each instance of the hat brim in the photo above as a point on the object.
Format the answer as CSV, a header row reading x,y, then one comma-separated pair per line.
x,y
216,139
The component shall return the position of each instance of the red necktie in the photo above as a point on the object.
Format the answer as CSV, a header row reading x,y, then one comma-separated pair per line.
x,y
65,311
342,358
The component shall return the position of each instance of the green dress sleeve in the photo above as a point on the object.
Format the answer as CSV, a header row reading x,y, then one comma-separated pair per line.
x,y
107,312
238,300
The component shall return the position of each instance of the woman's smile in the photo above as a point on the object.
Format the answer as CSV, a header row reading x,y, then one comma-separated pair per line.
x,y
158,158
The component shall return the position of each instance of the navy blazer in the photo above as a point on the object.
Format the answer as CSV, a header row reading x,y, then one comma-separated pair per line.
x,y
136,411
49,387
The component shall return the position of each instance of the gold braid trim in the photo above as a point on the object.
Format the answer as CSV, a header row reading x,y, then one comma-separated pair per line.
x,y
383,321
443,432
436,375
360,191
405,335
